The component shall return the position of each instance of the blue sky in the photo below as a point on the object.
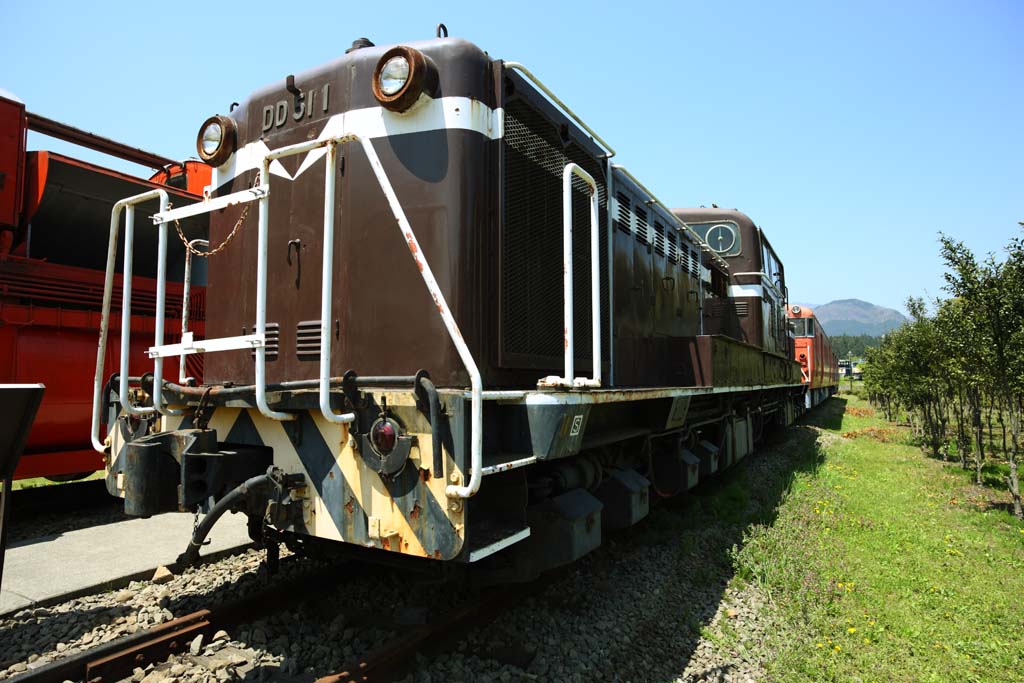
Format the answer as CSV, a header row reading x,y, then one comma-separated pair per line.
x,y
852,132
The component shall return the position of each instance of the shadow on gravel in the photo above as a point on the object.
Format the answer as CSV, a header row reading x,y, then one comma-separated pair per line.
x,y
638,608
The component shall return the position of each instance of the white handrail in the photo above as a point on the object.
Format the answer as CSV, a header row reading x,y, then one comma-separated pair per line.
x,y
186,293
517,66
261,297
476,381
108,290
327,286
126,314
570,379
262,194
158,325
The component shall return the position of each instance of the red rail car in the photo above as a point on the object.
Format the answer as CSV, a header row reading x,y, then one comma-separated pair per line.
x,y
54,223
813,350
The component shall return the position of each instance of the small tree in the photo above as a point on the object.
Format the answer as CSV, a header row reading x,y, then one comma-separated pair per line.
x,y
995,292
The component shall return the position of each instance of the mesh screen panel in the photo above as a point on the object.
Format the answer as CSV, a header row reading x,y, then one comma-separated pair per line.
x,y
531,246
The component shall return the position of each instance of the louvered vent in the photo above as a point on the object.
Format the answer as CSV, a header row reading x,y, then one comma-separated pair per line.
x,y
728,308
641,225
307,340
624,222
534,158
673,250
659,238
695,264
272,340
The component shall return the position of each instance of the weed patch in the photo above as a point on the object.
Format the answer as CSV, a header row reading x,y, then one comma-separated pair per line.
x,y
882,566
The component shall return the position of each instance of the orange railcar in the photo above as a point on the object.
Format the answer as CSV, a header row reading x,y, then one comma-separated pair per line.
x,y
819,366
54,224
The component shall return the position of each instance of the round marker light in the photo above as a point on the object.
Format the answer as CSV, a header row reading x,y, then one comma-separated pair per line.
x,y
384,436
394,75
402,74
216,140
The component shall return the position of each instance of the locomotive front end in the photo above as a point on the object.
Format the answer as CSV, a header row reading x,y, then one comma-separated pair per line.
x,y
347,211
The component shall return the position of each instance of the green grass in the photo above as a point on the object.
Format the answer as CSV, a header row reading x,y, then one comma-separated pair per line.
x,y
36,482
878,572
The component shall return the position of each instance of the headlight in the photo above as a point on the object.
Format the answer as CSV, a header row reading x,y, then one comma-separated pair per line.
x,y
394,75
216,140
401,76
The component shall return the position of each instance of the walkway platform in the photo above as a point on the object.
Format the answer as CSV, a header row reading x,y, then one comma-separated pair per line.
x,y
51,569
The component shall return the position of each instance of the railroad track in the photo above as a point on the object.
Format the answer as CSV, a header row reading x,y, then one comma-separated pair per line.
x,y
394,660
116,660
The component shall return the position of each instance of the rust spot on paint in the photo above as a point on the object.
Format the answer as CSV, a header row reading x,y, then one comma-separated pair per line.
x,y
349,506
330,475
565,337
424,476
437,554
385,543
415,514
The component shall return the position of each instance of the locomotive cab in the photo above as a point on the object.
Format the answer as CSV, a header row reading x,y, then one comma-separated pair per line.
x,y
755,311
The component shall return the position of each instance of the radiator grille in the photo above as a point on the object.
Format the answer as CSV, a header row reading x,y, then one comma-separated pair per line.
x,y
307,340
531,242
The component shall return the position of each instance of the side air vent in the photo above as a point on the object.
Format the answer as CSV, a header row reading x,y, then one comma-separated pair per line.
x,y
307,340
624,221
695,264
641,226
659,238
273,340
673,250
725,309
534,155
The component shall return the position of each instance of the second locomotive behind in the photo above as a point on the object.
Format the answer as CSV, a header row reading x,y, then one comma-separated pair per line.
x,y
446,325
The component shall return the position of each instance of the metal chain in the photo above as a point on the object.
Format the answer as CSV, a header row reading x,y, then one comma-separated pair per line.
x,y
227,240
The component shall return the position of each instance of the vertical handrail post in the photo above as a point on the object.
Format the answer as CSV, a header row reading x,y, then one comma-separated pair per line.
x,y
161,306
185,302
261,297
126,313
101,350
327,289
595,289
569,379
569,322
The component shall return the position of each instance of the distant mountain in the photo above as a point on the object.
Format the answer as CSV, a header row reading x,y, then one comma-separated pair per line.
x,y
853,316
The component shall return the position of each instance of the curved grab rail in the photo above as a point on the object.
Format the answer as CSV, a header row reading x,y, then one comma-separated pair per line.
x,y
518,66
126,309
570,380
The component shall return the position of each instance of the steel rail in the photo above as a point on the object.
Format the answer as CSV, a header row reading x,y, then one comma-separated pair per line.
x,y
390,661
116,659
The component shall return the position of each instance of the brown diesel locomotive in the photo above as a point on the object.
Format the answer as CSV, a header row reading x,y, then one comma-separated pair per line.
x,y
445,325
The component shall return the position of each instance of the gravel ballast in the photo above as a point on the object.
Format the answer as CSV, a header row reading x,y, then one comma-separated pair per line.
x,y
653,603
